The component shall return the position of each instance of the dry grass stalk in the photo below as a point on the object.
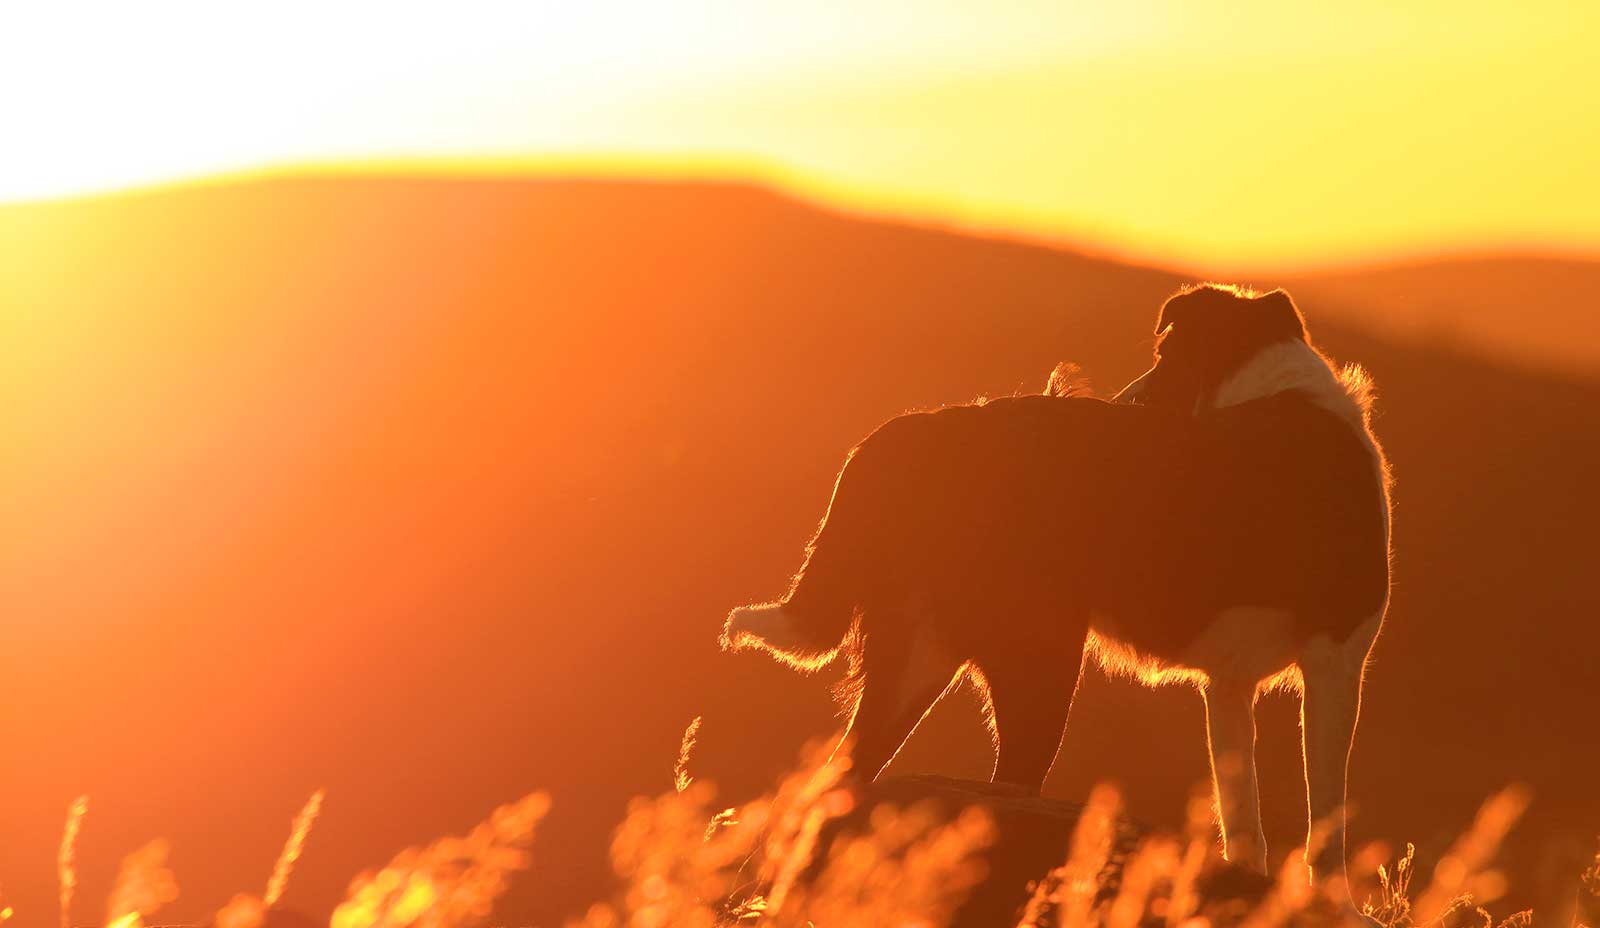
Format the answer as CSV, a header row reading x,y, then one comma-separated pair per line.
x,y
680,771
1155,861
248,911
292,849
242,911
1067,894
1289,896
677,869
67,857
1588,914
757,864
910,867
451,883
1393,908
1461,873
144,884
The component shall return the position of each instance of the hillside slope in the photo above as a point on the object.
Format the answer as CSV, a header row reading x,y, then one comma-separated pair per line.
x,y
1539,313
434,491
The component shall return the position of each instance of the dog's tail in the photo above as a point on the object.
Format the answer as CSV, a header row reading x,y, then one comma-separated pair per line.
x,y
806,628
809,626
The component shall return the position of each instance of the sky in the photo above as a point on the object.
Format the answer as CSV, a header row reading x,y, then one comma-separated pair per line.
x,y
1194,132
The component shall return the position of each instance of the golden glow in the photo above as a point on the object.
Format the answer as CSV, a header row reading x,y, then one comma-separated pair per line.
x,y
1215,134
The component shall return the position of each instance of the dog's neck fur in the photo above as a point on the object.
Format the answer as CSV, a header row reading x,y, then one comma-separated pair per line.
x,y
1295,365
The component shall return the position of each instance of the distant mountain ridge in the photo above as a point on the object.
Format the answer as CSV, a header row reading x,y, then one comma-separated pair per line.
x,y
433,491
1540,313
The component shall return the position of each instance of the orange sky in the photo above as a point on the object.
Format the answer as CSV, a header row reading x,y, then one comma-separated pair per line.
x,y
1208,134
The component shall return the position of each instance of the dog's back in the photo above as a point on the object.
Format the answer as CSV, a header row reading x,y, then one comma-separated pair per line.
x,y
1151,520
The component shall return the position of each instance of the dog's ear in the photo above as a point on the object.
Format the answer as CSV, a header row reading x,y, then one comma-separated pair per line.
x,y
1179,306
1281,315
1193,302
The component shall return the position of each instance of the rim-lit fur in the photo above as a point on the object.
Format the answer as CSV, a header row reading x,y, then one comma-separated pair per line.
x,y
1224,524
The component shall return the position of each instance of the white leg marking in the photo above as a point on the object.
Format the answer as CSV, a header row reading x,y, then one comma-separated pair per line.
x,y
1243,645
1329,710
1231,735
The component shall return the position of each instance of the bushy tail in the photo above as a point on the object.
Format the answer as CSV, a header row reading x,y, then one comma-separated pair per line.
x,y
806,628
845,562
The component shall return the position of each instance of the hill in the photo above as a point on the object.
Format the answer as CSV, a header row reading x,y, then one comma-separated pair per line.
x,y
1536,312
432,491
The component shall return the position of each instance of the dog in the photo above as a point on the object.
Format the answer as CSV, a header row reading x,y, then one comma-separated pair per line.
x,y
1222,522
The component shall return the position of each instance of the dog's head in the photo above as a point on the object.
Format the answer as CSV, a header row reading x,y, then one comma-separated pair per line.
x,y
1206,333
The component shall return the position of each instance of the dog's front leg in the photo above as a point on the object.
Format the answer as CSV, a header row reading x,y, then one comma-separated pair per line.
x,y
1231,733
1329,708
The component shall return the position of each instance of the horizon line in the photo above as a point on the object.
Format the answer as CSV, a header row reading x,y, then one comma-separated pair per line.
x,y
818,192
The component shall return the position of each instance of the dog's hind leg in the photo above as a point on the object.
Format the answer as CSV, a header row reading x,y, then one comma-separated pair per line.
x,y
905,673
1231,734
1329,709
1030,700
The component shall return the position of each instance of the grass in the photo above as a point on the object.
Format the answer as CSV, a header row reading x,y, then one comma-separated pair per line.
x,y
682,862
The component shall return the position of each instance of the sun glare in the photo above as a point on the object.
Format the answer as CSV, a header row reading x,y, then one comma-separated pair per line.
x,y
1216,134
